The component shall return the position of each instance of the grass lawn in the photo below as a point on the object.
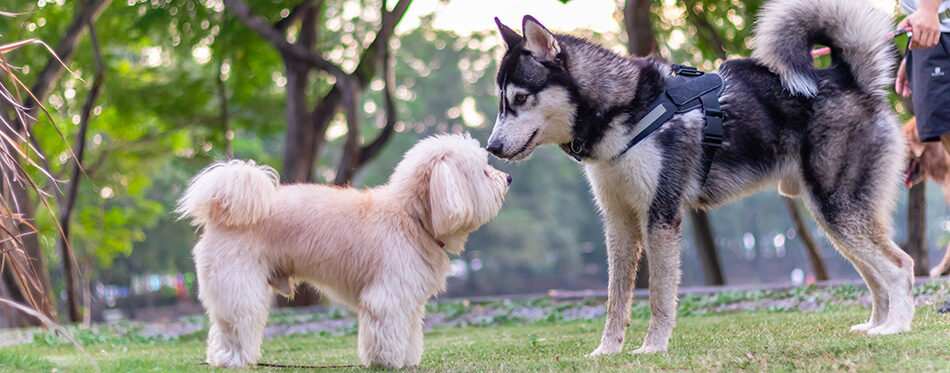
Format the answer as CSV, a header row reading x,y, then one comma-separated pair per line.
x,y
772,341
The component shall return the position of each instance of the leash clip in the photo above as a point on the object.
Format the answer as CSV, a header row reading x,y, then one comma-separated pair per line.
x,y
576,148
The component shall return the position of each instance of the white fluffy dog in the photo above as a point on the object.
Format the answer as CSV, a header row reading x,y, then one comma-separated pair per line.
x,y
381,251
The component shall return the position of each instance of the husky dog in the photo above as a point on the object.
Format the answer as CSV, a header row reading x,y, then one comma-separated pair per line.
x,y
826,133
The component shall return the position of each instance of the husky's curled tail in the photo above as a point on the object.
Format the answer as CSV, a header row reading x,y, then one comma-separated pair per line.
x,y
856,32
230,193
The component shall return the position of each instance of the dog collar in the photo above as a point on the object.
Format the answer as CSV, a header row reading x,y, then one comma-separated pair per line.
x,y
423,226
687,89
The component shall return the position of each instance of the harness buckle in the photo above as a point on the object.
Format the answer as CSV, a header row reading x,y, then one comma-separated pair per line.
x,y
686,70
713,112
712,140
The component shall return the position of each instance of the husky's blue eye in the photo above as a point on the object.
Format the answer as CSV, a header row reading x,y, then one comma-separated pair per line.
x,y
521,98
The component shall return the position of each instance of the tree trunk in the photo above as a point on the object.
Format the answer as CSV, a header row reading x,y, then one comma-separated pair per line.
x,y
916,244
66,208
636,19
706,247
299,132
814,255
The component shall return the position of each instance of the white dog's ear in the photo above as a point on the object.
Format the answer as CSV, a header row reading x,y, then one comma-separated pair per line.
x,y
538,40
448,199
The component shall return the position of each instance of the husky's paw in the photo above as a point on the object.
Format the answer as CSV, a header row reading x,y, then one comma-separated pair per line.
x,y
888,328
937,271
606,350
862,327
649,350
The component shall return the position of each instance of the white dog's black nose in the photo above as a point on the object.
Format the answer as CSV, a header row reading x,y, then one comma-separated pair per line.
x,y
496,148
508,177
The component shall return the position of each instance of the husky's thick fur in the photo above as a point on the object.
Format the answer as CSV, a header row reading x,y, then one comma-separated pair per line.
x,y
827,134
380,251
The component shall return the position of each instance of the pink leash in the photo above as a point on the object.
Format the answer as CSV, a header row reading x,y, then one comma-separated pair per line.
x,y
826,50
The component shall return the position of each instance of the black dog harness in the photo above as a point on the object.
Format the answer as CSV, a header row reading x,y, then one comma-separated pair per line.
x,y
687,89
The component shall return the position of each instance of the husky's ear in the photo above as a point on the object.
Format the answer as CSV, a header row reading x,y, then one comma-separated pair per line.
x,y
511,36
538,40
448,199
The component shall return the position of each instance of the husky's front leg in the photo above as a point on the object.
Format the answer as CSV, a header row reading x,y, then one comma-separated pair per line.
x,y
624,247
663,249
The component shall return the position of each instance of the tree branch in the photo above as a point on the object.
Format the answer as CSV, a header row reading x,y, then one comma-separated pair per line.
x,y
279,41
328,105
285,22
47,78
373,148
703,24
225,112
351,149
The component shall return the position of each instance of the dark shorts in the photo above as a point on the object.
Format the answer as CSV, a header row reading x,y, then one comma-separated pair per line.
x,y
929,73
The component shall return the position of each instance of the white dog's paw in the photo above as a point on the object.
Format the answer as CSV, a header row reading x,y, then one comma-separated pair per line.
x,y
649,350
862,327
888,329
606,350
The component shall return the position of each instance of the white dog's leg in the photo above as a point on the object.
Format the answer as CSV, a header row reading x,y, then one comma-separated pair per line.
x,y
415,346
385,327
234,291
624,247
663,250
214,339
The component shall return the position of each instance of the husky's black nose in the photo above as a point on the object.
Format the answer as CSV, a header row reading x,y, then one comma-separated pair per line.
x,y
509,179
496,148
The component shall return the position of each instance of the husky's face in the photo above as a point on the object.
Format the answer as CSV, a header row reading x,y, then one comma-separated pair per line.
x,y
535,104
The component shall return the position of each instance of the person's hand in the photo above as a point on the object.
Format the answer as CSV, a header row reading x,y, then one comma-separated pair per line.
x,y
902,84
925,25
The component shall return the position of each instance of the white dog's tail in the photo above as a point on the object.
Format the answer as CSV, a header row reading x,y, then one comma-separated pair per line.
x,y
230,193
857,33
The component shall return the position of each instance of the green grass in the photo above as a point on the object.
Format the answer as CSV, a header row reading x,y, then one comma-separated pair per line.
x,y
757,341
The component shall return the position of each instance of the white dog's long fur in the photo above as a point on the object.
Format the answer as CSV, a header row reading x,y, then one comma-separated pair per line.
x,y
378,251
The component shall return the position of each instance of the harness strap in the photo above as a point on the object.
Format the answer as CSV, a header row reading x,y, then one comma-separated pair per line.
x,y
712,132
688,89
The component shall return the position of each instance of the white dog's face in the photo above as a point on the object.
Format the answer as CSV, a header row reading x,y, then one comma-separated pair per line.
x,y
464,191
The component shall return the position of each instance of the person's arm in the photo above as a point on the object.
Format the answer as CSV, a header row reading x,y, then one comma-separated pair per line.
x,y
924,23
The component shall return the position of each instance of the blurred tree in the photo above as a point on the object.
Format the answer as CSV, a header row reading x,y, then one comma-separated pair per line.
x,y
20,125
641,41
306,128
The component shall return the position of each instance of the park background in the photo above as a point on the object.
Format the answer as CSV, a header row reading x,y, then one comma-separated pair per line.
x,y
155,90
